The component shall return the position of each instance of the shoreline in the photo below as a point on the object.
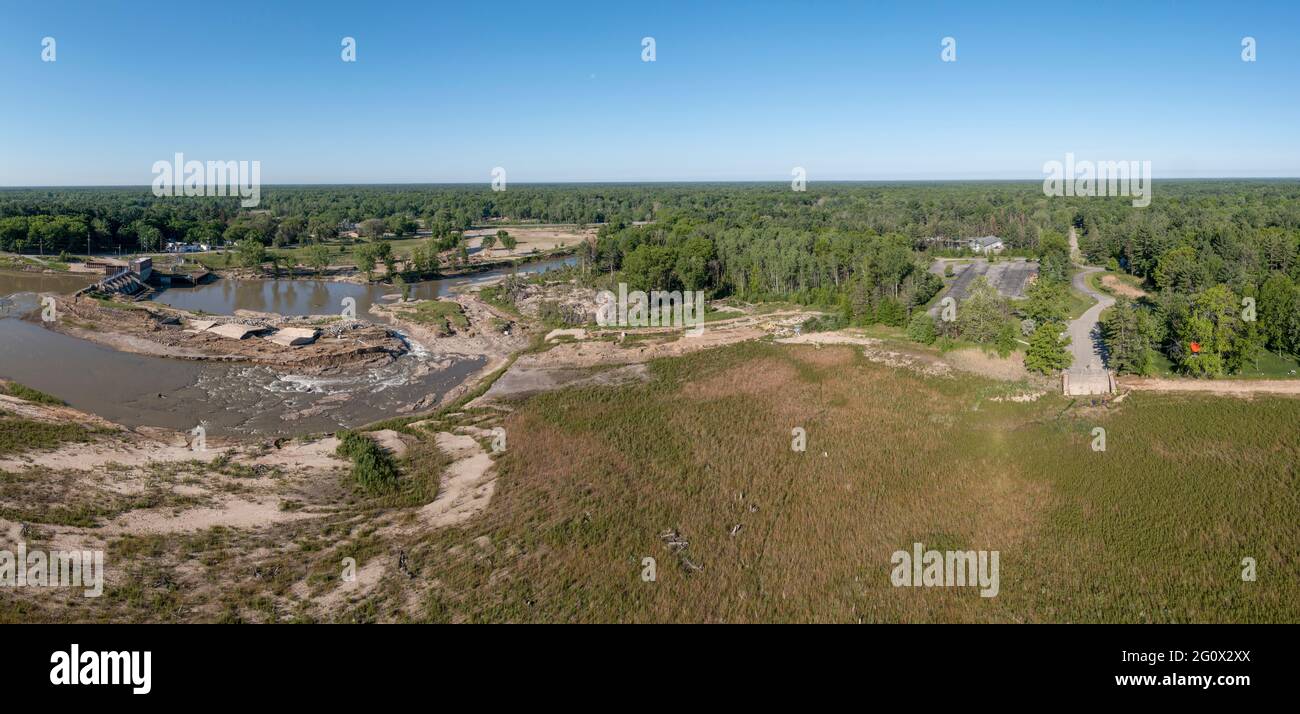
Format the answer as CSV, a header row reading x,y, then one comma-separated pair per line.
x,y
351,274
157,330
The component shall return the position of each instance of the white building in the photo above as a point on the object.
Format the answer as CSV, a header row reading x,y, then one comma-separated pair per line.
x,y
987,244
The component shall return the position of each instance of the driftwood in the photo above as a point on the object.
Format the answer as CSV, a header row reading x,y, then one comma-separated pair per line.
x,y
678,545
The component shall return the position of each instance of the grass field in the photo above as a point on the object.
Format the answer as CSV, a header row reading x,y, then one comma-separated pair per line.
x,y
1153,529
340,252
1267,366
1272,366
442,315
13,261
18,434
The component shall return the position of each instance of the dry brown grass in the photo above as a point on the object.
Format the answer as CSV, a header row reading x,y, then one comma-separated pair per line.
x,y
1153,529
594,477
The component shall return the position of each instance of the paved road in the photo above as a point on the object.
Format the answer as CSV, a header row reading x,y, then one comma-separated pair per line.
x,y
1085,332
1088,373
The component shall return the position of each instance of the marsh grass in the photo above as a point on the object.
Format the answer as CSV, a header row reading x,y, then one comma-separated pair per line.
x,y
18,434
22,391
445,317
1153,529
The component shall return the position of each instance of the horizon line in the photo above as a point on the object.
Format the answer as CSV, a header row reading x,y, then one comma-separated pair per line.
x,y
606,182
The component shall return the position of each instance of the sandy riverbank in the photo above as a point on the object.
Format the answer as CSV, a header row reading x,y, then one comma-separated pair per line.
x,y
160,331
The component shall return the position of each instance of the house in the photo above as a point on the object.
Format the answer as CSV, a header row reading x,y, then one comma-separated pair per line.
x,y
987,244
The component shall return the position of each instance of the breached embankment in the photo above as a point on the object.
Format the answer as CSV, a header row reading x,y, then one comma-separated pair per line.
x,y
146,365
158,331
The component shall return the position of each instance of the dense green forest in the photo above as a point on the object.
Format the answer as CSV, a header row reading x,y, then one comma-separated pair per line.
x,y
1220,261
1203,249
58,219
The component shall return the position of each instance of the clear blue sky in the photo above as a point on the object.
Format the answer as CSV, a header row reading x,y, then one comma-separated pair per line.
x,y
557,91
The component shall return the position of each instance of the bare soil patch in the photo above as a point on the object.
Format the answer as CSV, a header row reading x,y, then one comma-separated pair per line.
x,y
1227,387
467,485
1121,288
537,239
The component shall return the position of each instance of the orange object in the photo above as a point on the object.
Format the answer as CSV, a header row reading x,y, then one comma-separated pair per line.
x,y
1196,348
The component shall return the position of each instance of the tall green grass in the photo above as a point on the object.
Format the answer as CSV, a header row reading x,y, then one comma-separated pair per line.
x,y
22,391
372,468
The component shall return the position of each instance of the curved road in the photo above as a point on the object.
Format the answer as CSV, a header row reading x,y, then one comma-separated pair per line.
x,y
1085,332
1087,375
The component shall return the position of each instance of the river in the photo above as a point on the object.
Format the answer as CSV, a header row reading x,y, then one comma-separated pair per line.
x,y
318,297
138,390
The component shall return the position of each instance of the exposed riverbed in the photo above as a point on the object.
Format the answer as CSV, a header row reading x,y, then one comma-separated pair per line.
x,y
318,297
140,390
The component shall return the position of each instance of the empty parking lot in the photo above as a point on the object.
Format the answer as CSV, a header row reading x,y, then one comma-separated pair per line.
x,y
1010,277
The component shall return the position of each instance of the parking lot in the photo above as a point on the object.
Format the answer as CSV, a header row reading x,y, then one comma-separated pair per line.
x,y
1010,276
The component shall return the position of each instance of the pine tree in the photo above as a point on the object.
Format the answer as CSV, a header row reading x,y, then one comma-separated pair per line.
x,y
1047,350
1126,332
921,328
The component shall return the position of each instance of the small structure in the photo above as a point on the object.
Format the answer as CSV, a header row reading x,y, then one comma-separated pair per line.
x,y
293,336
180,247
1090,380
142,267
987,244
942,243
104,266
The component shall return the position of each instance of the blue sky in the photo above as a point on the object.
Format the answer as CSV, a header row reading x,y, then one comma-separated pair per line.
x,y
557,91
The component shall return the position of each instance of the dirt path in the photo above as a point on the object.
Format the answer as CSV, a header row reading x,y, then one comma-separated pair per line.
x,y
466,487
1229,387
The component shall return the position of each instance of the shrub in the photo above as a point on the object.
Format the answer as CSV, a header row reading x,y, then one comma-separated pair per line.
x,y
824,323
921,328
372,468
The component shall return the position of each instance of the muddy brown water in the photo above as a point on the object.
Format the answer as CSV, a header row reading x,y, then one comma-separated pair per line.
x,y
138,390
62,283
